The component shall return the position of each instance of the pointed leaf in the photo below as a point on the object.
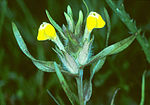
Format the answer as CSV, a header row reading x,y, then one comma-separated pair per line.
x,y
113,98
64,84
87,91
98,65
55,25
79,23
126,19
70,14
108,25
87,9
113,49
69,21
46,66
143,89
69,11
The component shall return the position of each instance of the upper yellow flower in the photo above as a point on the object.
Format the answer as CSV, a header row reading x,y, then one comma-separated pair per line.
x,y
94,20
46,31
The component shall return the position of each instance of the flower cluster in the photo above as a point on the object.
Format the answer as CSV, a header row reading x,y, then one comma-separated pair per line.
x,y
75,51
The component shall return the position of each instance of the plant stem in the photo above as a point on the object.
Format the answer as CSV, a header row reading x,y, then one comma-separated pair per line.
x,y
64,84
80,87
125,18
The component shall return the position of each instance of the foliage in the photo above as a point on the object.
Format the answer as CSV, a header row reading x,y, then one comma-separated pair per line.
x,y
22,83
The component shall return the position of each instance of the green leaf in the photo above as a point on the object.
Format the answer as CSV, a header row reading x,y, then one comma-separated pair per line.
x,y
113,49
88,86
55,25
113,98
125,18
69,21
108,25
98,65
79,23
64,85
87,90
143,89
46,66
87,9
69,11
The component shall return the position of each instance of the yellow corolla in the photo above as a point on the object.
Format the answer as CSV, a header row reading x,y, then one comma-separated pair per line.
x,y
94,20
46,31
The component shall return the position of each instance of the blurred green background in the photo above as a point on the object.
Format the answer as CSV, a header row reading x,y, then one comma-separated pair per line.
x,y
22,84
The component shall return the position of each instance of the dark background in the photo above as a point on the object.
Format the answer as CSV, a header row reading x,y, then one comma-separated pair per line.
x,y
22,84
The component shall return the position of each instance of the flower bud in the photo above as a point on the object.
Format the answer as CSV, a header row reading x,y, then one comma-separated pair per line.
x,y
46,31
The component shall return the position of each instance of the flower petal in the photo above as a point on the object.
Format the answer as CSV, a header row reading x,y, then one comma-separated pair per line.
x,y
91,22
100,22
94,20
46,31
41,35
50,31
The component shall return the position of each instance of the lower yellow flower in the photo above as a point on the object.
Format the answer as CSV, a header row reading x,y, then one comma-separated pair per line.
x,y
46,31
94,20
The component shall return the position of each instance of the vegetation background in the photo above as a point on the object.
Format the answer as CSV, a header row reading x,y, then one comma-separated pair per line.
x,y
22,84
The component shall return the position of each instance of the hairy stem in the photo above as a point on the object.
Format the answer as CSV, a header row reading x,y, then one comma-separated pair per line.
x,y
80,87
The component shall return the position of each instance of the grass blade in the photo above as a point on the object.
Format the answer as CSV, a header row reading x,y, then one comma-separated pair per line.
x,y
52,97
113,98
108,25
143,89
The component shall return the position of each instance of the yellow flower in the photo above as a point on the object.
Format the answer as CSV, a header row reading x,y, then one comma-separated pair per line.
x,y
94,20
46,31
